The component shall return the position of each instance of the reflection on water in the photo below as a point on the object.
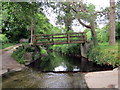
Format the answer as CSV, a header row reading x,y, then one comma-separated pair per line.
x,y
32,79
58,62
62,67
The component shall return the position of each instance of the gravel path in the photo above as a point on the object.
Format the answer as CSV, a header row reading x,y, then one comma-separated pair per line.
x,y
7,62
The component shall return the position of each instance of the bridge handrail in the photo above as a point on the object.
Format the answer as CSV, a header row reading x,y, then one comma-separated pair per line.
x,y
58,34
53,37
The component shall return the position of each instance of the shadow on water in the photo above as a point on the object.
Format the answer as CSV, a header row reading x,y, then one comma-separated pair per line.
x,y
56,62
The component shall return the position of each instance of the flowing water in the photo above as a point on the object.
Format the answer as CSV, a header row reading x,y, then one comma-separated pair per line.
x,y
53,71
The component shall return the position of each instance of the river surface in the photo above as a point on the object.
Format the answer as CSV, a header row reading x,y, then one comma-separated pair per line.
x,y
53,71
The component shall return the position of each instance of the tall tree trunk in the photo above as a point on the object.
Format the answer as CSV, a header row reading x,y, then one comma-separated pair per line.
x,y
32,29
94,34
112,23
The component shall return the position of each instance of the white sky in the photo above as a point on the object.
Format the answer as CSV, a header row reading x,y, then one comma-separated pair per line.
x,y
76,27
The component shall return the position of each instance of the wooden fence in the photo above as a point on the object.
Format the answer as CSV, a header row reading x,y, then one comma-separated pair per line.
x,y
63,38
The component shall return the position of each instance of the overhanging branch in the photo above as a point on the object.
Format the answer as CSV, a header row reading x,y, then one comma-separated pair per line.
x,y
87,26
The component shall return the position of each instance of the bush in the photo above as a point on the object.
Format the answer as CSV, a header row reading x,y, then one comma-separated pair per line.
x,y
67,48
19,54
43,51
104,55
21,51
3,38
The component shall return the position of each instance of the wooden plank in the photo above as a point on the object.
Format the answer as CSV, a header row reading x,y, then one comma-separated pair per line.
x,y
39,38
57,37
56,43
57,34
76,36
52,41
66,37
60,37
69,38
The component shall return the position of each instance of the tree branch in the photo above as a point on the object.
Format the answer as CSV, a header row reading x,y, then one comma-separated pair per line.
x,y
87,26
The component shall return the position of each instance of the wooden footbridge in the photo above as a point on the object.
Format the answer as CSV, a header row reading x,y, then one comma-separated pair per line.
x,y
63,38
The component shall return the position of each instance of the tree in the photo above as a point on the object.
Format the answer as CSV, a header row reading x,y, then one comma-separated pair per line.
x,y
86,13
82,12
18,18
112,40
23,19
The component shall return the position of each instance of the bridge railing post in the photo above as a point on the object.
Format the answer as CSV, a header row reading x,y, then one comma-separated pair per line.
x,y
34,40
68,38
52,39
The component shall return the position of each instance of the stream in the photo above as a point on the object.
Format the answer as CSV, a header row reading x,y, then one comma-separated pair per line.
x,y
53,71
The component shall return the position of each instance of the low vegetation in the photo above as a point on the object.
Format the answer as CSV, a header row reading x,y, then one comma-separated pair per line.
x,y
105,54
68,49
27,52
19,55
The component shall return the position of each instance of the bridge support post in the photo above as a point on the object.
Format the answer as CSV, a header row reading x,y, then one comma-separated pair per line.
x,y
83,48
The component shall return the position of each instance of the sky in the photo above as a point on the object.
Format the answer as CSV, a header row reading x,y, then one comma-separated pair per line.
x,y
76,26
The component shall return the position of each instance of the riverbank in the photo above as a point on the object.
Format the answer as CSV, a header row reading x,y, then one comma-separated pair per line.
x,y
105,54
103,79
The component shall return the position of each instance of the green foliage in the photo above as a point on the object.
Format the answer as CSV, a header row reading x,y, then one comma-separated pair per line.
x,y
5,45
43,51
104,54
3,38
88,33
19,55
17,19
103,34
73,49
43,26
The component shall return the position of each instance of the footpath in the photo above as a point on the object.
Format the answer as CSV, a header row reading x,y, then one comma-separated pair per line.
x,y
104,79
7,63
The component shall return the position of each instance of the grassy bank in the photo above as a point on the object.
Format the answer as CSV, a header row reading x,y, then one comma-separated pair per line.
x,y
105,54
102,54
27,52
5,45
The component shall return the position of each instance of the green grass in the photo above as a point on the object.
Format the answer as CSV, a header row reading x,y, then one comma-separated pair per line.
x,y
5,45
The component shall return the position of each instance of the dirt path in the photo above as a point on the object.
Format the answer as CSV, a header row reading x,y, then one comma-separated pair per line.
x,y
7,62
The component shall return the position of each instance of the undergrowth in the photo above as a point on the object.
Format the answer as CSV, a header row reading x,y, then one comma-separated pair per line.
x,y
104,54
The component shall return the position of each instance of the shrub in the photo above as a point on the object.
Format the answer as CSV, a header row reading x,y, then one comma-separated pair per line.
x,y
104,55
19,54
3,38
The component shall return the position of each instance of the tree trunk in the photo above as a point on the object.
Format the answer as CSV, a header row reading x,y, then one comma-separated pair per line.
x,y
112,23
32,29
94,35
